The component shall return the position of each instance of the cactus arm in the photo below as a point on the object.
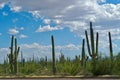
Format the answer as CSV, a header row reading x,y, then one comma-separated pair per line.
x,y
88,45
11,48
92,39
97,39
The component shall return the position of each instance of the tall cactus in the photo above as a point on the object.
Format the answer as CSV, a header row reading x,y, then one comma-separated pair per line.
x,y
13,56
16,56
110,46
111,52
92,52
53,55
84,57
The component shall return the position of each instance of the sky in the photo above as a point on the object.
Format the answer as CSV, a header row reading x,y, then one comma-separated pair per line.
x,y
34,21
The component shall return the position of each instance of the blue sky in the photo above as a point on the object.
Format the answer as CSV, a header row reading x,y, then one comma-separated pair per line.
x,y
33,23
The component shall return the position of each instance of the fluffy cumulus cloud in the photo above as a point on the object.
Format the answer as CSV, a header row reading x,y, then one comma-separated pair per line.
x,y
22,36
13,31
45,50
74,14
47,28
3,56
71,11
16,8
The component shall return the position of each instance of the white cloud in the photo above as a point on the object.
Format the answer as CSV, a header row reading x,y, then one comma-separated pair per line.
x,y
4,50
57,21
69,47
47,21
16,8
2,5
47,28
22,36
40,50
45,50
13,31
35,13
71,11
101,1
3,54
74,14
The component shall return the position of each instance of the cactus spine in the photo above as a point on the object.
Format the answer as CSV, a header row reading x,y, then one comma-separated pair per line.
x,y
53,55
13,56
93,54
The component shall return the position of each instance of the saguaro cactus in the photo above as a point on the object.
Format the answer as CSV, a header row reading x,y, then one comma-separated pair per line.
x,y
92,52
13,56
84,57
53,55
111,51
110,46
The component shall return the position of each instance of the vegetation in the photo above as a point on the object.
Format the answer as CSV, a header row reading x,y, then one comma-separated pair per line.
x,y
80,65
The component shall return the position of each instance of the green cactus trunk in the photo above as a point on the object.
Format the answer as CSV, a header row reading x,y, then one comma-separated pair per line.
x,y
111,52
84,57
11,55
53,55
93,54
16,57
83,54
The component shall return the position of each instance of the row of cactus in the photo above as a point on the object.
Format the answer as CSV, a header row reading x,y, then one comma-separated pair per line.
x,y
93,52
13,56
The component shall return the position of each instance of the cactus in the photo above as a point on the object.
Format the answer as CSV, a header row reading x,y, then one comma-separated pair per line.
x,y
84,57
61,57
93,54
53,55
13,56
5,66
111,52
46,61
110,46
22,60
